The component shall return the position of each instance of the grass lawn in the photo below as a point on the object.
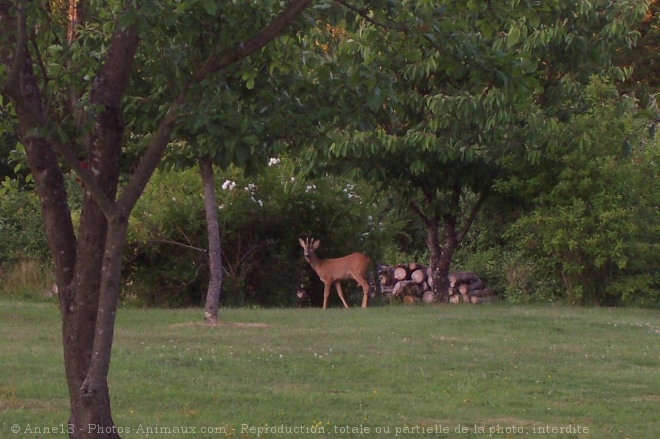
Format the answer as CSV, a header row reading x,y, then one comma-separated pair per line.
x,y
454,371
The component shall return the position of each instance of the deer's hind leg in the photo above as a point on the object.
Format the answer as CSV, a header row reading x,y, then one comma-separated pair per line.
x,y
341,294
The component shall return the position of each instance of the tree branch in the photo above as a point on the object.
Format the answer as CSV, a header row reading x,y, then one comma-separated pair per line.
x,y
12,86
364,13
105,204
473,214
214,63
40,61
150,159
417,211
219,61
179,244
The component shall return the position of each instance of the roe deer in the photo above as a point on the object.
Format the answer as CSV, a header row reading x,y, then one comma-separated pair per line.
x,y
332,271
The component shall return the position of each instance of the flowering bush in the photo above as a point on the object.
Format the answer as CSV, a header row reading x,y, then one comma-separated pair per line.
x,y
261,219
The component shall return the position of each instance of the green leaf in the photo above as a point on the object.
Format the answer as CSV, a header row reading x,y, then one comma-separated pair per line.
x,y
242,155
211,7
513,37
375,99
127,19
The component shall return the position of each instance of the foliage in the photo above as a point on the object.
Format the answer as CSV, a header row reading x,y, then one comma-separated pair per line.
x,y
511,274
261,218
644,57
595,225
21,223
8,139
442,99
416,96
21,227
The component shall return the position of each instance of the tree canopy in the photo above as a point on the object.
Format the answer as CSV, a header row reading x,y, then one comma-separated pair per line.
x,y
447,98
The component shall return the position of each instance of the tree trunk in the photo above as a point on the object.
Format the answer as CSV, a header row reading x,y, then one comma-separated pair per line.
x,y
213,230
88,271
441,257
449,245
91,399
440,261
88,284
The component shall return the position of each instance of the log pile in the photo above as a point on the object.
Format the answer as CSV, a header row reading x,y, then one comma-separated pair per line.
x,y
465,286
413,282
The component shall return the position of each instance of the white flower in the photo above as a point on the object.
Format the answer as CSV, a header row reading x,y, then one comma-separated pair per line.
x,y
310,188
273,161
228,185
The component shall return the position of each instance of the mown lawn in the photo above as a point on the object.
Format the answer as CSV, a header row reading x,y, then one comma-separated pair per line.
x,y
454,371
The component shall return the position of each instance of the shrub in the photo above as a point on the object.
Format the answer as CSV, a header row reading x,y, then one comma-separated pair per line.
x,y
21,228
261,219
596,227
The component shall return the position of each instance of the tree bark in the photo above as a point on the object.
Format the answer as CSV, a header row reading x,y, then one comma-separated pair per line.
x,y
449,244
213,231
439,264
88,270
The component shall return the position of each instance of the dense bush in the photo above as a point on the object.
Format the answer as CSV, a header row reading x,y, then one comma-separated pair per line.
x,y
261,219
595,227
21,227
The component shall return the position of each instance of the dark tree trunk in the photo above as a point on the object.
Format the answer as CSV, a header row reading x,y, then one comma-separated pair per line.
x,y
439,282
213,230
442,252
450,242
88,289
443,265
88,271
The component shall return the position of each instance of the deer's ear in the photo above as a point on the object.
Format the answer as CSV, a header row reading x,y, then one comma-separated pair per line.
x,y
316,244
302,243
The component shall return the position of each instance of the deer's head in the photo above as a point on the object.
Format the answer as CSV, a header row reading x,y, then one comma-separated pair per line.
x,y
309,246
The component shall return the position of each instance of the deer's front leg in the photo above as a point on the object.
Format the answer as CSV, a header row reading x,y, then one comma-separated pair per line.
x,y
326,293
341,293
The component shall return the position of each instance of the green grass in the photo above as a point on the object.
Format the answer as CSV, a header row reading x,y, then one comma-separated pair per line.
x,y
517,368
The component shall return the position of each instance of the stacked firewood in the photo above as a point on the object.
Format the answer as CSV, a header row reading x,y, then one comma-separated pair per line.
x,y
465,286
407,282
414,282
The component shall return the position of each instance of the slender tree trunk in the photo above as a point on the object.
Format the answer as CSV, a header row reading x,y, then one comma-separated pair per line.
x,y
443,264
213,230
